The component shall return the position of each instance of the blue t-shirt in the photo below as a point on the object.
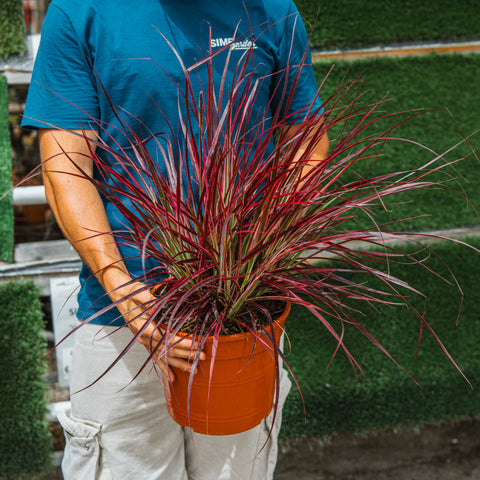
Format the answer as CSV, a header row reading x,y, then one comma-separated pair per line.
x,y
126,49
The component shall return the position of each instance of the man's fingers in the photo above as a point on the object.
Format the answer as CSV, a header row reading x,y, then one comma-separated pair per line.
x,y
173,362
168,372
179,347
180,351
179,357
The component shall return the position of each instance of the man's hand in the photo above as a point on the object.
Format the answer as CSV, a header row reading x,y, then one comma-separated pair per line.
x,y
79,210
179,353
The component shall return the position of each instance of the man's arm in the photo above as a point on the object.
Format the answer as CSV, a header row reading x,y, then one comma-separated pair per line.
x,y
81,215
318,153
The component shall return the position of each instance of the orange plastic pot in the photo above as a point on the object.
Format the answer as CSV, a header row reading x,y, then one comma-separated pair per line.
x,y
240,391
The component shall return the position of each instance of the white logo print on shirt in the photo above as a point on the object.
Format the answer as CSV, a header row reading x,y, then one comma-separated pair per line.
x,y
240,45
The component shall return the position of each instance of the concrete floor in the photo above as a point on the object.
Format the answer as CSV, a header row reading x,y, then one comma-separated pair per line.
x,y
448,451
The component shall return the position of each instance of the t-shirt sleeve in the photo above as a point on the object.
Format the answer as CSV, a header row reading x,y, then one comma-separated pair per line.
x,y
62,92
295,90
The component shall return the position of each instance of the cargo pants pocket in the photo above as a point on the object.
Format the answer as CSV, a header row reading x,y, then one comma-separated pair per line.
x,y
82,450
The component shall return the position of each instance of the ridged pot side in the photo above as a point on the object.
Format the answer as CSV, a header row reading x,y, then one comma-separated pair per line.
x,y
240,392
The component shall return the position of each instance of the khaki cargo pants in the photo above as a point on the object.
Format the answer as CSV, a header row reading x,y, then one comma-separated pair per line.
x,y
119,429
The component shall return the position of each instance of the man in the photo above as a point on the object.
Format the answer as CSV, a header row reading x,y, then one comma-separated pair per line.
x,y
94,55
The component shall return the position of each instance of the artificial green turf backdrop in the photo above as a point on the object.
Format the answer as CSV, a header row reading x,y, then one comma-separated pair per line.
x,y
446,84
6,208
12,28
336,401
25,441
365,23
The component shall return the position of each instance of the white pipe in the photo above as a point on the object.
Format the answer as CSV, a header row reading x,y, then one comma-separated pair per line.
x,y
34,195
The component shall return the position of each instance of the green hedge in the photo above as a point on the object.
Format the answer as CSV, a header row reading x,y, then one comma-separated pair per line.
x,y
438,82
25,442
335,402
12,29
364,23
6,208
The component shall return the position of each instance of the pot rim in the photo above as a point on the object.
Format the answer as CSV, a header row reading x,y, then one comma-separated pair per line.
x,y
279,322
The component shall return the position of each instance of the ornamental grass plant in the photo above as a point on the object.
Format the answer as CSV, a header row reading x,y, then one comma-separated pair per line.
x,y
239,227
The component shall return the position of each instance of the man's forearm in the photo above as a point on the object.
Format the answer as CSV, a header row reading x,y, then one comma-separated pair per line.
x,y
81,214
315,149
78,207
